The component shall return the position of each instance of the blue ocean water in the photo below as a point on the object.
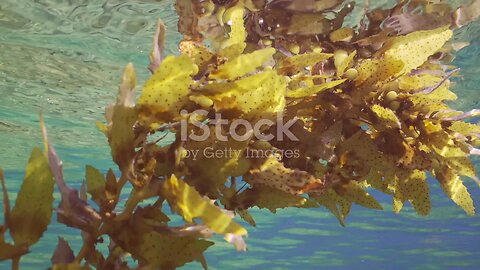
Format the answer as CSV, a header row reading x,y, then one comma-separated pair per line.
x,y
64,58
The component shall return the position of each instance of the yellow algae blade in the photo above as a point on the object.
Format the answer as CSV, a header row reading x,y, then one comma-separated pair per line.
x,y
309,91
385,117
189,204
453,186
298,63
165,91
415,48
242,65
33,207
262,93
235,44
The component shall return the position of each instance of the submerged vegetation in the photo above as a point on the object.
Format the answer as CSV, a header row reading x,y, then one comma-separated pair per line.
x,y
366,105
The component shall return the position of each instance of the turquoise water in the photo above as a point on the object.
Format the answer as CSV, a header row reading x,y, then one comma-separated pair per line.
x,y
64,58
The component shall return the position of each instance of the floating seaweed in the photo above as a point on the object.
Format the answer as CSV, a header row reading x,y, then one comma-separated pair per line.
x,y
365,107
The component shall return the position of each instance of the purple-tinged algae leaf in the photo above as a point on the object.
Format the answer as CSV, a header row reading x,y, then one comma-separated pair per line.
x,y
63,253
72,211
156,55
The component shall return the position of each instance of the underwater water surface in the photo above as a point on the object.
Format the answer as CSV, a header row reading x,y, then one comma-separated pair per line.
x,y
64,58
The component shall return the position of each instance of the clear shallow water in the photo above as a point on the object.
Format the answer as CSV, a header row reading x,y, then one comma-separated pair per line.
x,y
65,58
